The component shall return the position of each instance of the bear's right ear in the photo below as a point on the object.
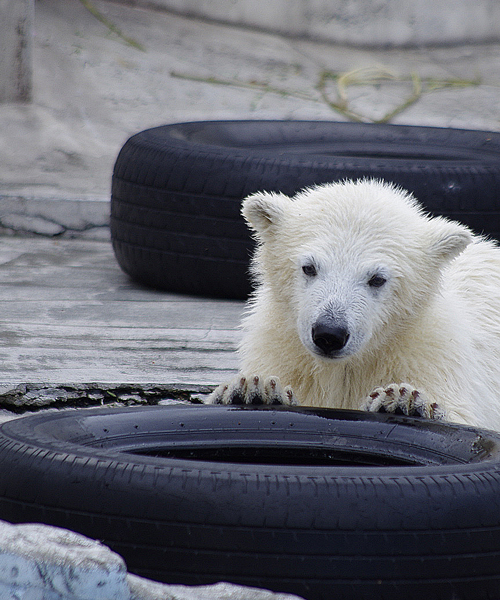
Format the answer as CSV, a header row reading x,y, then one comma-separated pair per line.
x,y
264,211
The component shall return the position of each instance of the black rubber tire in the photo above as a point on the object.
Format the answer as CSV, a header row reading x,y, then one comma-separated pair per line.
x,y
177,189
322,503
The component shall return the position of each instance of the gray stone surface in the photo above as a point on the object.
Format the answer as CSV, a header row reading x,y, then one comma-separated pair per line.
x,y
48,563
142,589
55,217
355,22
93,89
16,50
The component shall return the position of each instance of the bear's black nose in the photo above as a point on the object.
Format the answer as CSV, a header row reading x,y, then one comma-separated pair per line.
x,y
329,338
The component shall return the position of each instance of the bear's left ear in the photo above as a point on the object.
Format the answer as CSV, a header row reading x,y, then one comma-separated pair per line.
x,y
449,239
264,211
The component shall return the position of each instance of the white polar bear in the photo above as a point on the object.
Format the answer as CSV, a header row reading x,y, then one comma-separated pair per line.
x,y
363,300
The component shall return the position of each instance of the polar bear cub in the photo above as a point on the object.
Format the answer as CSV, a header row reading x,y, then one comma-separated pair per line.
x,y
365,301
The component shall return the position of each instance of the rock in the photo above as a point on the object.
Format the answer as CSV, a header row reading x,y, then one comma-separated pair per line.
x,y
39,562
49,563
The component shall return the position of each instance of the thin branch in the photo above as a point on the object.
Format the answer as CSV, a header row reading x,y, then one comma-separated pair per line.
x,y
416,95
252,85
111,26
342,81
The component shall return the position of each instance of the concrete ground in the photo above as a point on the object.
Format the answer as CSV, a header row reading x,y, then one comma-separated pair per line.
x,y
72,326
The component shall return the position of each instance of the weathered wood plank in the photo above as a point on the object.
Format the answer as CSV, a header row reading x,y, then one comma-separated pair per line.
x,y
103,313
37,365
23,335
68,314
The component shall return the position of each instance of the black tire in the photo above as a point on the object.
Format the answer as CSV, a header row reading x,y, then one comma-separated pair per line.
x,y
322,503
177,189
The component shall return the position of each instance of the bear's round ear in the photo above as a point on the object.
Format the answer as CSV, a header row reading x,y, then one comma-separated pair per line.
x,y
264,211
449,239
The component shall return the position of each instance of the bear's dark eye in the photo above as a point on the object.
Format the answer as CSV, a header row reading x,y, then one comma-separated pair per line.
x,y
377,281
309,270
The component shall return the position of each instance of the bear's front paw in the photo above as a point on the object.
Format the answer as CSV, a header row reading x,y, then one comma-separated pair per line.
x,y
252,390
403,399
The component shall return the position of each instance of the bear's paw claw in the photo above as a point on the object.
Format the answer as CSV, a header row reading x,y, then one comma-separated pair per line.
x,y
252,390
402,399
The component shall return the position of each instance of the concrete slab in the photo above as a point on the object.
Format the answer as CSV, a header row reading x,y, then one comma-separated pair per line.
x,y
93,89
69,315
355,22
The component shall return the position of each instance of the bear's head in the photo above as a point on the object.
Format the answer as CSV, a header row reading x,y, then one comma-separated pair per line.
x,y
351,264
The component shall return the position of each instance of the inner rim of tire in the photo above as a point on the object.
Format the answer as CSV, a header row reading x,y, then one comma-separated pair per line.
x,y
279,455
400,153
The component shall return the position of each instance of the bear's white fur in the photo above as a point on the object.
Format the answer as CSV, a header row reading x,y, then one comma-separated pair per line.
x,y
404,298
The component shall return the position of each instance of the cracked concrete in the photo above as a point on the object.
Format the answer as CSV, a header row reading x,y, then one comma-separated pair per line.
x,y
54,217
